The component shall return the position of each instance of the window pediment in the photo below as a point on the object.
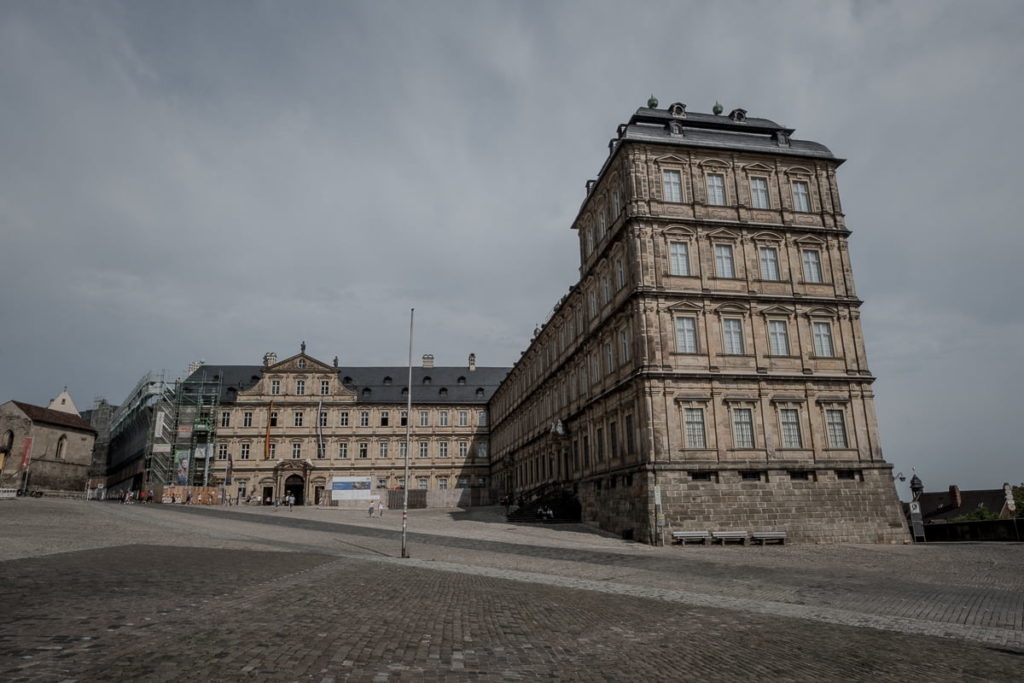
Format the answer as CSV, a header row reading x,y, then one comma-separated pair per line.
x,y
767,237
716,165
685,307
822,312
810,241
723,234
679,231
757,168
798,171
670,159
778,310
730,307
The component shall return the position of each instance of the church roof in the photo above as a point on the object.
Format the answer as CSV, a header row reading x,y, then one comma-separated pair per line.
x,y
54,417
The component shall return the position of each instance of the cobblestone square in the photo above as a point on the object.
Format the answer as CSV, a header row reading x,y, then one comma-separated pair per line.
x,y
97,591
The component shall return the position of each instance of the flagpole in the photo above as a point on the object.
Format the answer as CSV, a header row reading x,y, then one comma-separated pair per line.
x,y
408,437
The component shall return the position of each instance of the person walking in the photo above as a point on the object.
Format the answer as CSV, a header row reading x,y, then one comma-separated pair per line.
x,y
380,509
371,511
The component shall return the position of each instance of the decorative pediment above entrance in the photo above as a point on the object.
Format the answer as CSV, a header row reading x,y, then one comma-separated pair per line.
x,y
300,363
297,466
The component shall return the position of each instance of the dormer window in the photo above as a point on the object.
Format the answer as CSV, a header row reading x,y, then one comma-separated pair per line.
x,y
462,380
480,393
387,381
366,393
443,392
346,380
426,380
738,115
678,110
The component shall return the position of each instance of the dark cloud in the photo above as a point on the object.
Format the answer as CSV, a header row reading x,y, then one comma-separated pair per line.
x,y
216,180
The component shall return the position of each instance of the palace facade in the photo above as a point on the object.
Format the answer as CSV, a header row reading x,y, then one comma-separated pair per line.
x,y
708,370
288,427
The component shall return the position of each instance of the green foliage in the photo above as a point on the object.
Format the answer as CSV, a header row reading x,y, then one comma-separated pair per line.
x,y
979,514
1018,499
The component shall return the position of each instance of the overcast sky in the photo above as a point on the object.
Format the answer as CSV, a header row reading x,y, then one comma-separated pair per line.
x,y
214,180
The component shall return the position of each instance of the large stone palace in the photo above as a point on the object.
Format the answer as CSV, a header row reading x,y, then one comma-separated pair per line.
x,y
708,370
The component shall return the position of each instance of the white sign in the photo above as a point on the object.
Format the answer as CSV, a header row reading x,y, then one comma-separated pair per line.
x,y
915,507
657,495
351,488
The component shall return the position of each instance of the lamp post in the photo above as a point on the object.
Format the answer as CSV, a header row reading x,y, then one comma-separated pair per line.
x,y
408,437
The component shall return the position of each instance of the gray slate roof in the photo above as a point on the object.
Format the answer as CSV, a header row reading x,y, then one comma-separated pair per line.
x,y
369,382
709,130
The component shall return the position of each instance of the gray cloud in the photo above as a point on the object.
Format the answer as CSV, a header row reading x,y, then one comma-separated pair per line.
x,y
215,180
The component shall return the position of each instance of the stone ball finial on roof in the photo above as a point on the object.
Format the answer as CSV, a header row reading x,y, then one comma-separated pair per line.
x,y
652,102
717,109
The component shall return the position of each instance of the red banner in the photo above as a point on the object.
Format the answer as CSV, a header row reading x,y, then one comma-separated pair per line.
x,y
27,454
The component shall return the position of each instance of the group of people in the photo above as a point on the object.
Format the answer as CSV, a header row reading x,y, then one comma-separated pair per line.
x,y
545,512
288,501
379,507
129,497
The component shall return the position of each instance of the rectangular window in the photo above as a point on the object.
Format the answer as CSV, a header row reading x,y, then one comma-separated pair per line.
x,y
323,418
599,445
424,449
300,387
222,451
823,340
343,450
836,426
732,334
609,357
325,387
443,418
593,303
343,419
403,449
769,263
812,265
321,451
743,427
404,418
750,476
686,335
275,387
424,418
481,451
723,261
297,419
716,189
778,337
382,482
613,439
271,452
247,419
225,419
462,483
799,475
296,451
463,449
442,449
630,445
586,450
385,417
620,273
442,483
364,450
672,186
624,346
364,418
273,419
421,483
846,475
801,196
245,451
382,449
695,428
789,418
463,418
759,193
679,255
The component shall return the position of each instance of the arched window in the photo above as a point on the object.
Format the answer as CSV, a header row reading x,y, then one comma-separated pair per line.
x,y
62,446
7,442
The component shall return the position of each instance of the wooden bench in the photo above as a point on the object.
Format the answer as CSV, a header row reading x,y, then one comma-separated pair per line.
x,y
684,537
725,536
762,537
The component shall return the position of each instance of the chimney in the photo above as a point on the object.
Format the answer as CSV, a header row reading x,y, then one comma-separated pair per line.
x,y
954,496
472,362
428,360
269,358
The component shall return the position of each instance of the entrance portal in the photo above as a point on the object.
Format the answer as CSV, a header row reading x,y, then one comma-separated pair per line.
x,y
268,495
294,485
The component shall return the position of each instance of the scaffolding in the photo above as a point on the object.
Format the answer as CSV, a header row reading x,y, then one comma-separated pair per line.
x,y
196,401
